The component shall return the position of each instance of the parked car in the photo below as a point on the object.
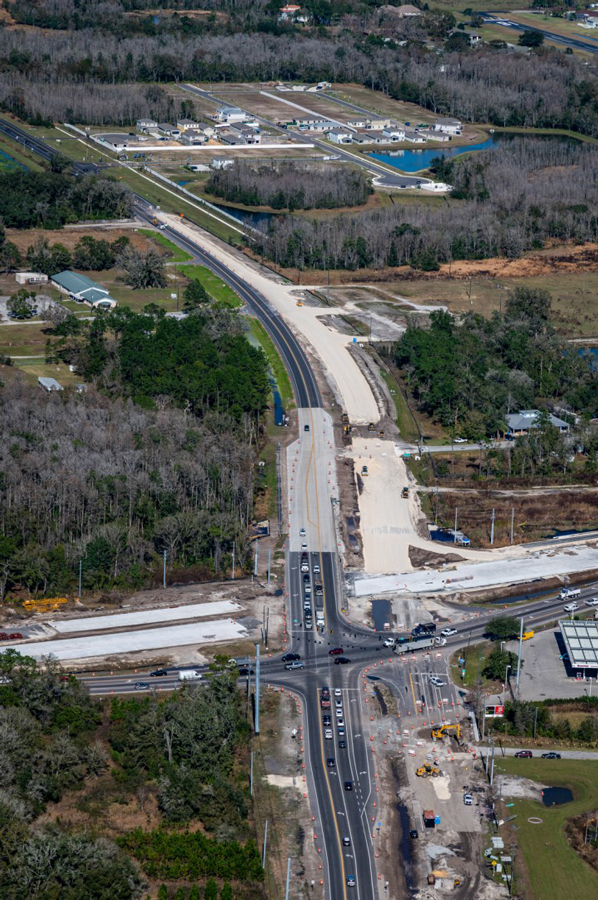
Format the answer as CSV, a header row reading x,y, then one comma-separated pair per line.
x,y
468,799
302,532
306,427
524,754
365,470
414,834
551,755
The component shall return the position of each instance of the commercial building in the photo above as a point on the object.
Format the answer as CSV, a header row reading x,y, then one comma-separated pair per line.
x,y
31,278
82,289
581,641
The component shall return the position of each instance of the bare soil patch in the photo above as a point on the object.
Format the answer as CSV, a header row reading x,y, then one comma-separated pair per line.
x,y
420,557
68,237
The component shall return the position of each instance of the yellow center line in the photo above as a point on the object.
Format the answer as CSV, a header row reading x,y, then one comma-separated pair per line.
x,y
332,892
413,692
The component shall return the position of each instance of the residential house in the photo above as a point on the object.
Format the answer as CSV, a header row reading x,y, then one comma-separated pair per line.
x,y
292,13
82,289
339,136
229,115
447,126
184,124
407,11
169,130
230,136
318,125
49,384
193,138
146,125
526,419
251,134
394,132
117,141
414,136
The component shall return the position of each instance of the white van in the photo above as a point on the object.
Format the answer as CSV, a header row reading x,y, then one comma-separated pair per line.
x,y
570,593
189,675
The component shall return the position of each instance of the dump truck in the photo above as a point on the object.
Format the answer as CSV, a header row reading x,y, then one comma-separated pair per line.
x,y
427,771
454,730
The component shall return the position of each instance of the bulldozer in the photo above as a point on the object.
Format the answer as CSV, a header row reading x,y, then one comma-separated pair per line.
x,y
426,770
454,730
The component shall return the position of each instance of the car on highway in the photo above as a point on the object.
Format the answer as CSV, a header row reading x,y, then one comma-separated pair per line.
x,y
306,427
319,587
346,842
302,532
591,601
340,723
436,681
296,664
290,657
389,642
551,755
341,729
142,686
328,734
339,713
330,762
341,661
338,692
308,624
448,632
316,568
158,673
326,720
524,754
571,607
336,651
348,785
306,578
351,881
304,565
338,702
244,671
342,745
468,799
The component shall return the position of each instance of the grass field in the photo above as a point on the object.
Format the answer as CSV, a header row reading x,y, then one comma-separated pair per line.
x,y
216,287
176,254
554,869
475,659
278,370
405,421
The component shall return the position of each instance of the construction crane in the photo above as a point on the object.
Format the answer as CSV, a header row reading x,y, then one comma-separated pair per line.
x,y
454,730
426,770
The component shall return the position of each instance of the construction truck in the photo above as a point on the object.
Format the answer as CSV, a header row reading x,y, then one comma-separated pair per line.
x,y
427,771
46,605
412,645
454,730
155,221
405,493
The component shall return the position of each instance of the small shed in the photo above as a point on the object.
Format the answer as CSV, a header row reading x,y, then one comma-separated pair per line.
x,y
49,384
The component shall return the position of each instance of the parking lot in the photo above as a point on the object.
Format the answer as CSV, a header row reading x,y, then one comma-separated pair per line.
x,y
544,675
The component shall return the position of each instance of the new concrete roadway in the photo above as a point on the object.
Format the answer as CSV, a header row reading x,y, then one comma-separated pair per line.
x,y
573,43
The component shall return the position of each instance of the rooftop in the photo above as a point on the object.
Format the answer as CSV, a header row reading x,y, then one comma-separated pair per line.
x,y
581,641
526,419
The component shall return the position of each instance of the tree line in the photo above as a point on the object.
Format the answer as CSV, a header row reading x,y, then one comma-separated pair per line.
x,y
469,373
290,185
508,199
536,719
54,74
53,199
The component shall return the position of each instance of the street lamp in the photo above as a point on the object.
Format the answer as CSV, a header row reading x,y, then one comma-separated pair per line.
x,y
506,673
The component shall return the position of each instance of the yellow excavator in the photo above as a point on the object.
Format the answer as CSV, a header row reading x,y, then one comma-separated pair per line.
x,y
454,730
428,770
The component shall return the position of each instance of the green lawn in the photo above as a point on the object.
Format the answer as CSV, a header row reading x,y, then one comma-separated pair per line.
x,y
554,868
176,254
23,339
475,660
216,287
276,363
405,421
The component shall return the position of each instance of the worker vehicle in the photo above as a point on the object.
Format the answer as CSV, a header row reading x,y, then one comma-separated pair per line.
x,y
405,493
448,632
527,635
411,646
424,628
389,642
155,221
189,675
364,470
454,730
569,593
344,417
468,799
299,302
371,426
427,771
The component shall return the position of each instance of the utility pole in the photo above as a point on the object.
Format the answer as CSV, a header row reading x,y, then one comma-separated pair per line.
x,y
164,554
80,576
492,527
456,517
286,895
519,655
255,561
257,688
251,774
233,560
269,563
265,844
512,521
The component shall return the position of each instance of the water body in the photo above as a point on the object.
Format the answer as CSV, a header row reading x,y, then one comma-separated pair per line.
x,y
255,219
416,160
380,613
556,796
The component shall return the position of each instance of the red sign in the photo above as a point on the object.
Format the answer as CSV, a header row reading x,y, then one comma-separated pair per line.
x,y
499,710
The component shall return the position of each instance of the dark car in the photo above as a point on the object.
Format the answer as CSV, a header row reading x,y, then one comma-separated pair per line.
x,y
245,671
524,754
289,657
341,661
142,686
306,427
342,745
551,755
413,834
330,762
15,636
348,785
158,673
326,720
336,651
306,578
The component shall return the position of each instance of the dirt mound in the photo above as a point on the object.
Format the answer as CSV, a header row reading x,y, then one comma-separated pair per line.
x,y
420,558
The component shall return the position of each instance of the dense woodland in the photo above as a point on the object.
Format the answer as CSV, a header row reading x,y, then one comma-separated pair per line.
x,y
290,185
54,75
159,457
469,373
185,755
508,199
53,199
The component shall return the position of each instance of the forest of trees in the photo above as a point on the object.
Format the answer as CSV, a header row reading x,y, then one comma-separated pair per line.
x,y
54,75
468,373
159,457
52,199
508,199
289,185
187,751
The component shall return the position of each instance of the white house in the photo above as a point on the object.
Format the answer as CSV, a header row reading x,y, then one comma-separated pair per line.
x,y
193,138
229,115
414,137
525,420
146,125
30,278
185,124
251,134
447,126
339,136
394,132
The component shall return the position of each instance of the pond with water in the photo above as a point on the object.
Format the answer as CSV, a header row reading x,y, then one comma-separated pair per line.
x,y
556,796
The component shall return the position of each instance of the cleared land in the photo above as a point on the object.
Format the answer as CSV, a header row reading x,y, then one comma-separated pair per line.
x,y
554,869
145,617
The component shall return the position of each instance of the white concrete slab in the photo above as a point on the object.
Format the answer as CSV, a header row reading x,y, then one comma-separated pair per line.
x,y
311,483
145,617
152,639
